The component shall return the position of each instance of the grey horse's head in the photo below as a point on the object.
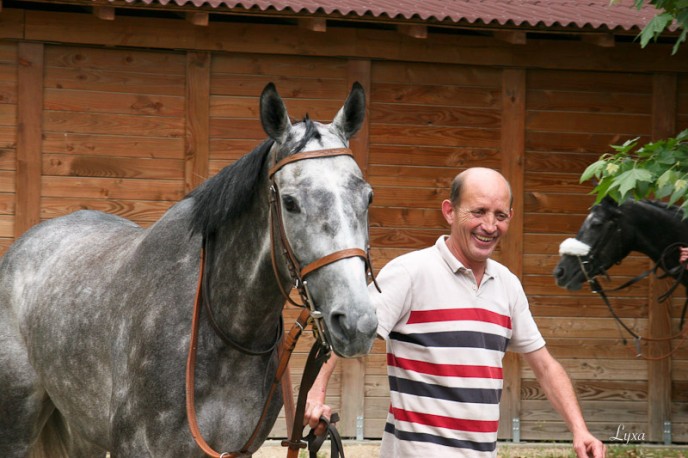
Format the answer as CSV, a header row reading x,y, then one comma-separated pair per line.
x,y
324,204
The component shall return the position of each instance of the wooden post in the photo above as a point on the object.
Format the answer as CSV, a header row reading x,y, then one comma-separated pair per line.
x,y
29,135
197,142
513,150
664,95
353,370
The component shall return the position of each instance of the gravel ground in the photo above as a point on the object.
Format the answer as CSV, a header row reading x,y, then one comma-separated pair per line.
x,y
369,449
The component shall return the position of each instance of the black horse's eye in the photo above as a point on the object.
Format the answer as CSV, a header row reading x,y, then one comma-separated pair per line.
x,y
290,204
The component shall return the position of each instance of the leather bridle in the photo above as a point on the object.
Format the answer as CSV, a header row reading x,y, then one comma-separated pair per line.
x,y
297,273
611,233
309,314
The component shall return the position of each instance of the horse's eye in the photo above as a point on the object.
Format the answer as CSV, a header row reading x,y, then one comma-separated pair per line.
x,y
370,198
290,204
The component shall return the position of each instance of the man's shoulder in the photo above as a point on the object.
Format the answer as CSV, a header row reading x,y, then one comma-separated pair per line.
x,y
417,257
496,268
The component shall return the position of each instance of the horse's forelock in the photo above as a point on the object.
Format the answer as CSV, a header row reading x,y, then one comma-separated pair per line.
x,y
294,145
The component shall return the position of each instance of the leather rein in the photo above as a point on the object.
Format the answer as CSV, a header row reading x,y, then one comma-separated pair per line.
x,y
321,348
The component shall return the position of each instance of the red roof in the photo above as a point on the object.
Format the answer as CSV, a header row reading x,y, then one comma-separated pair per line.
x,y
619,14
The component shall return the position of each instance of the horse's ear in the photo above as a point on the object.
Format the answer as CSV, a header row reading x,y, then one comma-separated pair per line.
x,y
273,114
350,117
610,204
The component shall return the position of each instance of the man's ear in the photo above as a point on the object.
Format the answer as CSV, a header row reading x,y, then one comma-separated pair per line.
x,y
448,211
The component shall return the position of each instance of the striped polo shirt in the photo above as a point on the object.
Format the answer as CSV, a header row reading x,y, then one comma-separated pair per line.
x,y
446,338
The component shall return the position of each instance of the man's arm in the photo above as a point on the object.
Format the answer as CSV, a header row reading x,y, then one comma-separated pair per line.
x,y
315,402
559,390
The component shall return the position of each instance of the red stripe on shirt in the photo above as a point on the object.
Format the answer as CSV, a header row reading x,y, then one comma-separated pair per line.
x,y
440,421
445,370
459,314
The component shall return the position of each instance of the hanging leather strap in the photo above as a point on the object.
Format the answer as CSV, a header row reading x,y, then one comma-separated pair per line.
x,y
289,343
316,358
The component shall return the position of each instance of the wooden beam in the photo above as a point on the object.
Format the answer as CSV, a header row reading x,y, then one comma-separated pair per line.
x,y
314,24
353,370
603,40
199,19
29,135
513,168
514,37
197,143
512,161
343,41
413,30
664,103
106,13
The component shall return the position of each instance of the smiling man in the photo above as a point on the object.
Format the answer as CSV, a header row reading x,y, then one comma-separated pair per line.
x,y
448,313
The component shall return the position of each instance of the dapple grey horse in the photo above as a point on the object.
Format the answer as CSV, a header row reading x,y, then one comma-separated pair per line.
x,y
95,312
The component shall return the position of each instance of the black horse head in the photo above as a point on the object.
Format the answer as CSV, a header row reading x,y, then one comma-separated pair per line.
x,y
603,240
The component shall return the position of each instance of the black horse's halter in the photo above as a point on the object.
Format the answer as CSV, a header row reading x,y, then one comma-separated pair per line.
x,y
611,233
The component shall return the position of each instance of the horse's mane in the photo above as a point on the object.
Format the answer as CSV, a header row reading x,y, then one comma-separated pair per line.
x,y
676,211
230,193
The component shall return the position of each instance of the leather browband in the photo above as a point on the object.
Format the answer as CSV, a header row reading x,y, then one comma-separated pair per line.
x,y
309,155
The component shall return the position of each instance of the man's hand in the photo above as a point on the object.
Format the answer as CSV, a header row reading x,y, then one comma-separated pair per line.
x,y
315,401
587,445
314,410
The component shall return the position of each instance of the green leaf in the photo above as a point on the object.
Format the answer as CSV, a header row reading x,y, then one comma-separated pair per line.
x,y
627,180
593,170
677,195
655,27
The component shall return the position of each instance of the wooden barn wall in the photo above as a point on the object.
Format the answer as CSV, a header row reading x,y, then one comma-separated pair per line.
x,y
126,116
8,141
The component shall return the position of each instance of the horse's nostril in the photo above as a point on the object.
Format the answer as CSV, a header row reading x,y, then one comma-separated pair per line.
x,y
558,272
341,326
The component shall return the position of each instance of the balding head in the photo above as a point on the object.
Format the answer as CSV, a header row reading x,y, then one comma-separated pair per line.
x,y
476,176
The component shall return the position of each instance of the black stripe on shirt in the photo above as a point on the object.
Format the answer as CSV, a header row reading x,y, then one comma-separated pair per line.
x,y
429,390
446,441
458,339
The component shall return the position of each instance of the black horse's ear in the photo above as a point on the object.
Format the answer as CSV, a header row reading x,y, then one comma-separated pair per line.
x,y
609,201
611,206
273,114
350,117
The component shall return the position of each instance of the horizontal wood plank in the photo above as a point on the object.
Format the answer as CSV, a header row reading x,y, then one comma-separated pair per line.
x,y
108,124
85,79
92,144
456,96
105,102
135,210
112,167
457,157
115,59
112,188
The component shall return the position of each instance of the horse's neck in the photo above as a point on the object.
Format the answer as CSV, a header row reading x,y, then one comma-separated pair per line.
x,y
655,230
242,288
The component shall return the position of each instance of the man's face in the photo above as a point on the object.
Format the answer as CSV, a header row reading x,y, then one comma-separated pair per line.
x,y
480,218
